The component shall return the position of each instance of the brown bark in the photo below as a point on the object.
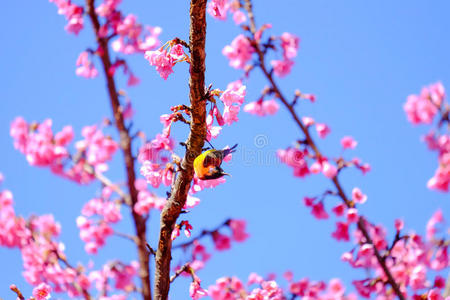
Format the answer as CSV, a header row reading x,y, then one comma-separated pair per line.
x,y
361,223
125,145
194,144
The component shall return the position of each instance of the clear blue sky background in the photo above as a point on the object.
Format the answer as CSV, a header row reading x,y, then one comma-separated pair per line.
x,y
361,58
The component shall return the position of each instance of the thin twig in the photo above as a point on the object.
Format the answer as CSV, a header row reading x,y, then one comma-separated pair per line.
x,y
83,291
132,238
184,268
361,223
202,234
107,182
16,290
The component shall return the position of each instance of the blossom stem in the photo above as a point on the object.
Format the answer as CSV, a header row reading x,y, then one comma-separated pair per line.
x,y
194,145
125,144
361,222
184,268
202,234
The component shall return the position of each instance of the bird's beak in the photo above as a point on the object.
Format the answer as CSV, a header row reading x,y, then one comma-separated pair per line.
x,y
223,173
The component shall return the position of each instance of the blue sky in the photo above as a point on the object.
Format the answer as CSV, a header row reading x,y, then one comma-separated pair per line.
x,y
361,59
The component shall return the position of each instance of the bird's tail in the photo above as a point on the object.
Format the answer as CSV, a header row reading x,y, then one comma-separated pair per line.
x,y
229,150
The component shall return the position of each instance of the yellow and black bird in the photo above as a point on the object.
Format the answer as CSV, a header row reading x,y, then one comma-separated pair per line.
x,y
207,164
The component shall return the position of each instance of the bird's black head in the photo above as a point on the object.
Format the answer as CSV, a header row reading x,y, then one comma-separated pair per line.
x,y
217,173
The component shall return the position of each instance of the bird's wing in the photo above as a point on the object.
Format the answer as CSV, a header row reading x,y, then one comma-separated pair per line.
x,y
213,158
227,151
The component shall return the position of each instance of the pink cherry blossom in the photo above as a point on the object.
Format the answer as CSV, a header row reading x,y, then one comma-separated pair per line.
x,y
162,61
73,14
85,67
289,44
232,98
196,291
177,52
218,8
294,158
329,170
239,52
399,224
341,232
221,241
352,215
239,17
281,68
230,114
348,142
358,196
422,108
318,211
322,130
339,209
262,108
308,121
237,227
42,291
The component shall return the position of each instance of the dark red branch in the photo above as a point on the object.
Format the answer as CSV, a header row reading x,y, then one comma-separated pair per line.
x,y
361,223
125,145
194,145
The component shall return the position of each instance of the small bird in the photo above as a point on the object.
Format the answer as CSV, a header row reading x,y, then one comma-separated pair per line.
x,y
207,164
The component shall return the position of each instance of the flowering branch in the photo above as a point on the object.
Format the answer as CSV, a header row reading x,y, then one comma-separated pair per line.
x,y
125,144
184,268
16,290
194,145
107,182
310,142
84,291
202,234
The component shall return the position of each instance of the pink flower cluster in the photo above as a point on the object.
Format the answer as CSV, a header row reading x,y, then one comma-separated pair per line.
x,y
41,253
187,229
233,288
239,52
296,159
262,107
411,260
73,14
94,232
218,9
115,275
146,199
350,214
85,67
232,98
156,157
97,148
130,32
132,36
222,241
422,109
44,149
40,146
289,45
164,60
42,292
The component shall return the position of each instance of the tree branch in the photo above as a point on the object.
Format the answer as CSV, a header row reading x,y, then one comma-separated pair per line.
x,y
107,182
361,223
202,234
194,145
125,144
